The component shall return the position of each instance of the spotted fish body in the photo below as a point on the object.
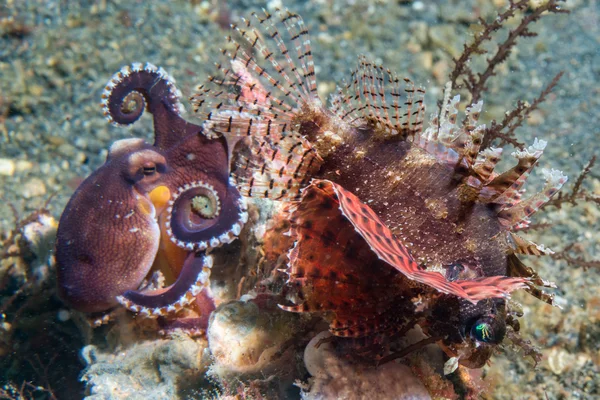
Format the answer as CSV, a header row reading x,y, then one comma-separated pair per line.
x,y
430,220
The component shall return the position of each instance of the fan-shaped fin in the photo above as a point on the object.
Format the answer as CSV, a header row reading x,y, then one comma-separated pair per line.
x,y
266,91
374,97
277,167
337,274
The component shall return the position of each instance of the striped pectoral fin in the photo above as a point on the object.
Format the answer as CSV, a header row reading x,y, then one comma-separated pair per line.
x,y
391,250
277,167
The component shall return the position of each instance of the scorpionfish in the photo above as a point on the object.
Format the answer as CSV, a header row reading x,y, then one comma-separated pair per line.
x,y
392,224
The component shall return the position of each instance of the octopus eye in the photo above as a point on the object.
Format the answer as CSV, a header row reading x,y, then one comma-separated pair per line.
x,y
487,330
149,169
206,204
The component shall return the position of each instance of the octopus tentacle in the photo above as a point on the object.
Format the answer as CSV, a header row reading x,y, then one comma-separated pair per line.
x,y
200,216
138,87
159,303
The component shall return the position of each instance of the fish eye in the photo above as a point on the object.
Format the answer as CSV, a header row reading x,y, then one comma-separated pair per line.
x,y
487,330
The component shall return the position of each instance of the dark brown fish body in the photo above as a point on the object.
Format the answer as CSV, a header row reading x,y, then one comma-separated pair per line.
x,y
421,200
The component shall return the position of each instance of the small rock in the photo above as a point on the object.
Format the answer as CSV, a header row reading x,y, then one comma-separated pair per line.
x,y
444,37
419,32
33,188
440,71
335,378
36,90
55,140
67,150
535,118
426,60
558,360
80,158
7,167
418,6
24,165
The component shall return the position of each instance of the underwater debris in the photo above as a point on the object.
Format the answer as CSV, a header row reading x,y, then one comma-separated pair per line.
x,y
25,261
31,336
333,377
247,340
392,225
152,369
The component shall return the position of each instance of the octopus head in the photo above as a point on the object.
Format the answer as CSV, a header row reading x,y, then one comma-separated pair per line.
x,y
108,235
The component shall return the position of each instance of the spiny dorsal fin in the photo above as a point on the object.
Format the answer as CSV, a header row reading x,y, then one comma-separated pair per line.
x,y
521,245
266,80
522,210
374,96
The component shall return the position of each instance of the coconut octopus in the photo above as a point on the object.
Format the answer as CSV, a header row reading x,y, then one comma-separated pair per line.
x,y
391,225
149,214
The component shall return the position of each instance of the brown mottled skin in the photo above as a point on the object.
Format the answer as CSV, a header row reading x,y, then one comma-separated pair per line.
x,y
109,235
427,206
421,201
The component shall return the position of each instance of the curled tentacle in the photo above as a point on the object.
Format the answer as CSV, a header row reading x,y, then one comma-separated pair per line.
x,y
193,279
132,88
201,215
205,208
137,87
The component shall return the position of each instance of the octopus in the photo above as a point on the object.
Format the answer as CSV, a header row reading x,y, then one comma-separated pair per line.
x,y
136,232
391,224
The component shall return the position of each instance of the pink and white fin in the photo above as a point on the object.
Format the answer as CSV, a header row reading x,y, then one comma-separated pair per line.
x,y
374,96
258,93
277,167
262,90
